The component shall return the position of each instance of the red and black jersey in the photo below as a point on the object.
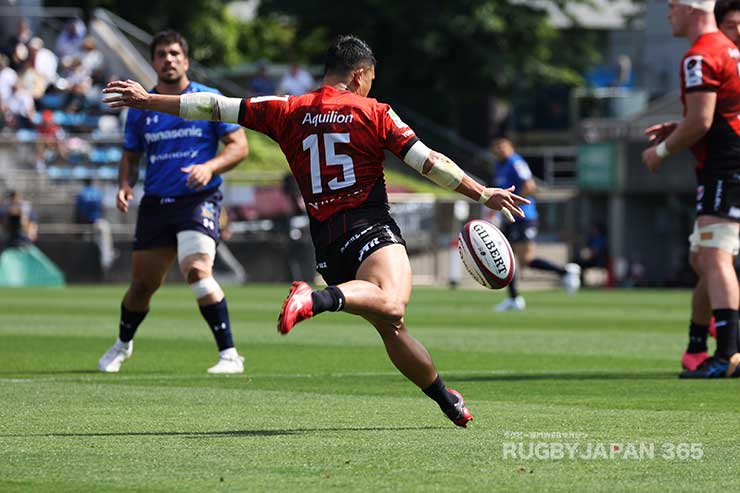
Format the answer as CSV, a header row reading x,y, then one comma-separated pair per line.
x,y
713,64
334,142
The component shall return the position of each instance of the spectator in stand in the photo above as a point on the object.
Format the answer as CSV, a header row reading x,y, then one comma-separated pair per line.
x,y
69,42
77,83
22,36
595,253
262,84
19,222
89,210
31,79
296,81
89,203
90,56
18,56
20,108
44,60
8,79
51,143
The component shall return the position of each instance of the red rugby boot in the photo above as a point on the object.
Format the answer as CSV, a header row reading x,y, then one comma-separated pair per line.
x,y
298,306
692,361
462,414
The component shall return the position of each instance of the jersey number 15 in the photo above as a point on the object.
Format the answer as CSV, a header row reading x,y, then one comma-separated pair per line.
x,y
311,144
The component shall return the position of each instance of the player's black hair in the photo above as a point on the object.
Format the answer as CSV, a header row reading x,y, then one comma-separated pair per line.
x,y
723,7
166,38
346,54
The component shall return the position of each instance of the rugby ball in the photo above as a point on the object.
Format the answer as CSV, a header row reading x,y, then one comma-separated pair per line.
x,y
486,254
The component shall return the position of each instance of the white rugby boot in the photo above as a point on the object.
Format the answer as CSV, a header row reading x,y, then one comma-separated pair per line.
x,y
511,304
229,362
114,357
572,278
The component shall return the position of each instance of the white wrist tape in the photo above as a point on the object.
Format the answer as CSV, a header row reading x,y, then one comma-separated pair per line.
x,y
417,156
662,150
204,287
209,106
486,194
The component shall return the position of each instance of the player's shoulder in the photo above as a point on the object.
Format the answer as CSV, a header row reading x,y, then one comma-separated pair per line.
x,y
375,104
710,44
517,159
198,87
134,115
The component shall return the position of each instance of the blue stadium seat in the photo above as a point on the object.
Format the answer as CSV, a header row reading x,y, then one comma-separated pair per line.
x,y
51,102
25,135
107,173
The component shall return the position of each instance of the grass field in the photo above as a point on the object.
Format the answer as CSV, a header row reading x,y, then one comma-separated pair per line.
x,y
323,409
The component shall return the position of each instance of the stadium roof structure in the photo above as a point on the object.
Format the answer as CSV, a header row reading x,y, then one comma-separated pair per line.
x,y
596,14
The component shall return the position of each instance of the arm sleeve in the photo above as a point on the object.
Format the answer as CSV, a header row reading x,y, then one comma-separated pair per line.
x,y
700,73
522,170
133,139
223,128
393,132
265,114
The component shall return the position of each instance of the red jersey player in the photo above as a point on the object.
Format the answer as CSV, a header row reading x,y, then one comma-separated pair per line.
x,y
710,92
334,139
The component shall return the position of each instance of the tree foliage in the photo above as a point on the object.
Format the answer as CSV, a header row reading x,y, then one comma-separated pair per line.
x,y
440,56
437,56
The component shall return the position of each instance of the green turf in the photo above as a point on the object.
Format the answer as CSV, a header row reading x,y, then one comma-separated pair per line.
x,y
323,409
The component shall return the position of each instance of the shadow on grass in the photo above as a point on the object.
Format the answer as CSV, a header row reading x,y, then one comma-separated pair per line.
x,y
224,434
564,376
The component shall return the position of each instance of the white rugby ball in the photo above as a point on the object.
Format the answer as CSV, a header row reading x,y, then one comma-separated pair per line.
x,y
486,254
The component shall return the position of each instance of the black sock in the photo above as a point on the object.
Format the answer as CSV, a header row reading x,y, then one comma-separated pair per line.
x,y
330,299
439,393
541,264
513,292
697,338
726,321
217,316
130,321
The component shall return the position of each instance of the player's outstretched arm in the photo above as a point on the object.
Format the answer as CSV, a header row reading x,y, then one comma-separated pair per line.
x,y
191,106
444,172
129,93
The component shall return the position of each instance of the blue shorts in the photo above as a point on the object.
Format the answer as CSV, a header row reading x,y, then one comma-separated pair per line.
x,y
161,218
521,231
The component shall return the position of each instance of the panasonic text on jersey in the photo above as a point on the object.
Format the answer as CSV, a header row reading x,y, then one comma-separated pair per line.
x,y
177,133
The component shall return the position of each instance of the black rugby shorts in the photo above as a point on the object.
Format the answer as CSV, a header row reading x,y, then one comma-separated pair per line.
x,y
339,261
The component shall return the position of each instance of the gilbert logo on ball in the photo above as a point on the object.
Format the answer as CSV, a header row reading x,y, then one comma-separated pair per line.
x,y
486,254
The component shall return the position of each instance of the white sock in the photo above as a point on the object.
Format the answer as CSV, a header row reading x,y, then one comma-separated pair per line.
x,y
228,353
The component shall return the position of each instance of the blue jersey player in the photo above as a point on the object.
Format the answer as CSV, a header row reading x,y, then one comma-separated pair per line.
x,y
512,170
178,216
